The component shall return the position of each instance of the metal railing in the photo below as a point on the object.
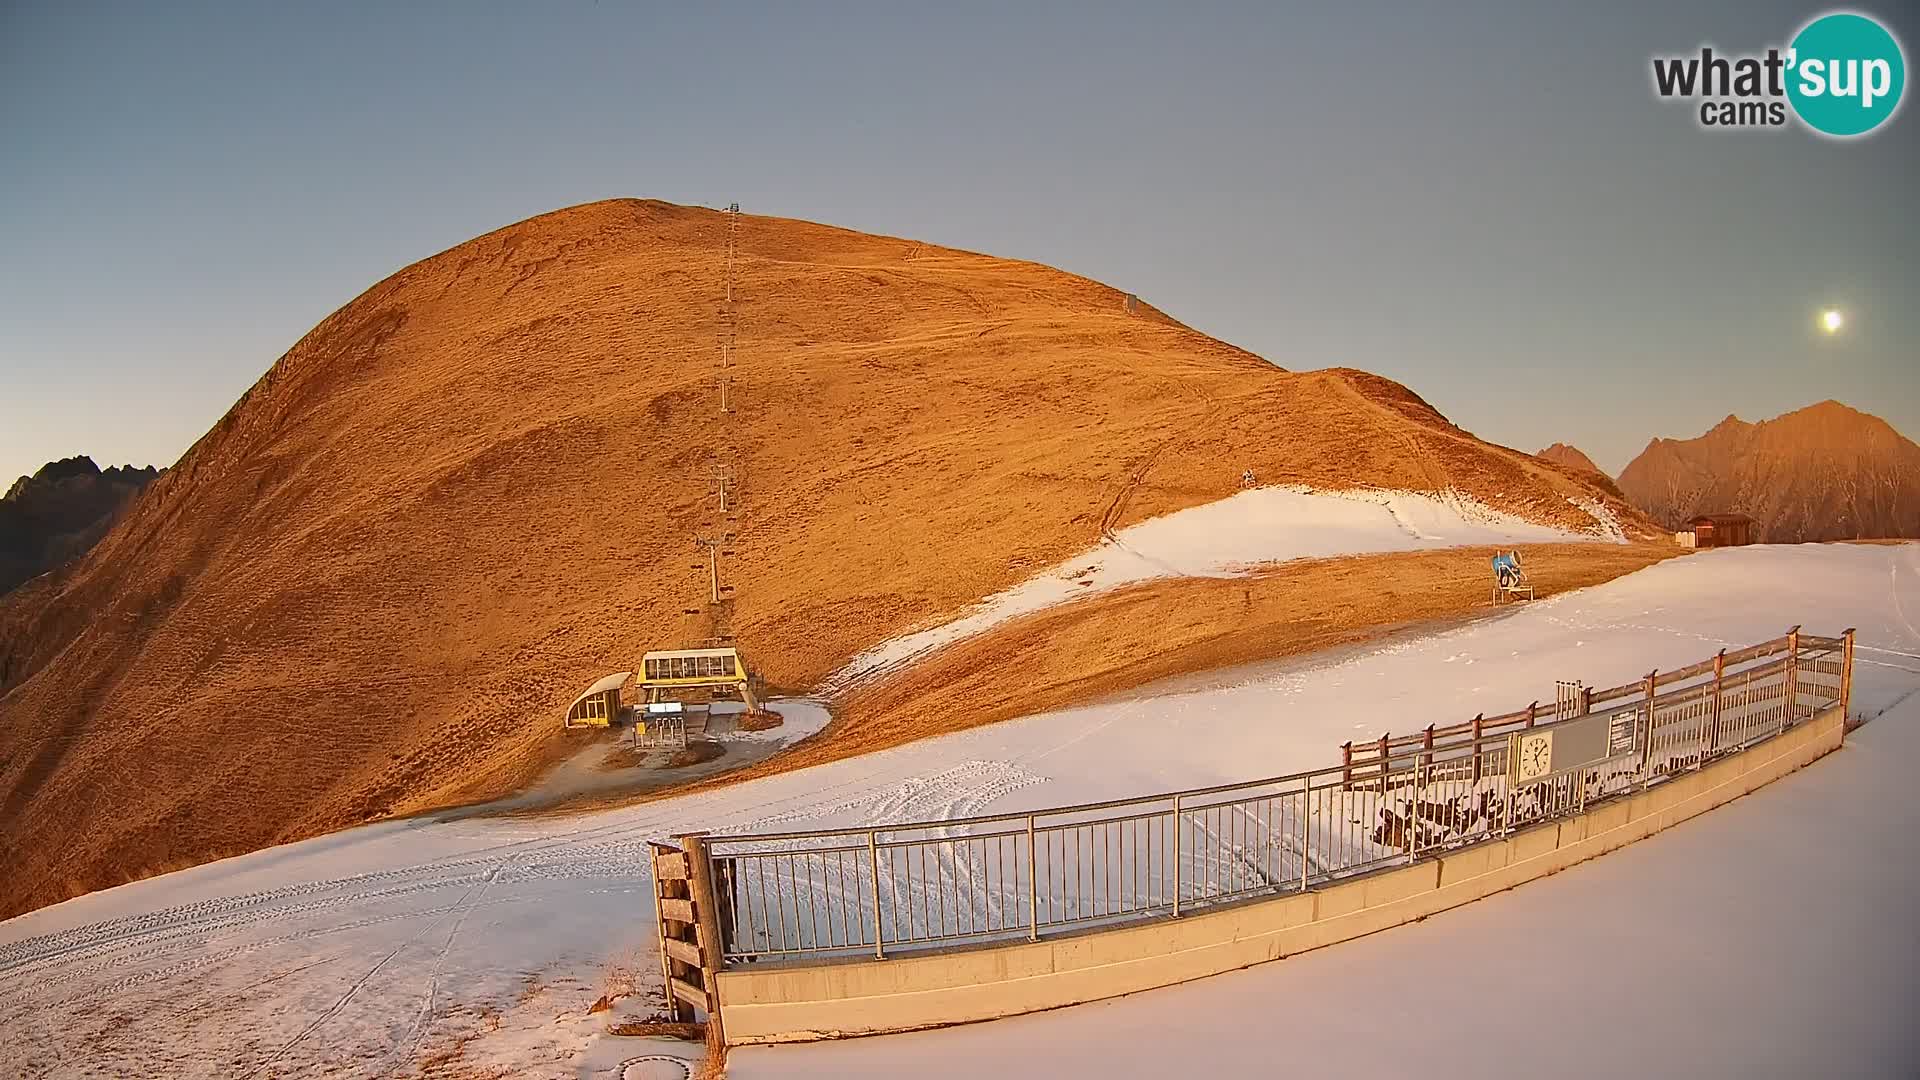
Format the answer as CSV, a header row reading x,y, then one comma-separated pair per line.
x,y
893,888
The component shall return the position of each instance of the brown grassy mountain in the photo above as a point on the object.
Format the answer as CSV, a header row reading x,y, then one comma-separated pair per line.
x,y
1825,472
1570,456
55,515
373,585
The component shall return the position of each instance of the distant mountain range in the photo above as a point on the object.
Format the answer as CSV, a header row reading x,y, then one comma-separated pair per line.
x,y
1570,456
1825,472
1576,463
58,513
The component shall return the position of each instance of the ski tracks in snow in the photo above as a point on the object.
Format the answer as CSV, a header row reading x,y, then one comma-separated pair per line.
x,y
1911,558
407,1047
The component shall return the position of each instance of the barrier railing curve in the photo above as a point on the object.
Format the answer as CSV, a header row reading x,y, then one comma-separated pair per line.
x,y
918,885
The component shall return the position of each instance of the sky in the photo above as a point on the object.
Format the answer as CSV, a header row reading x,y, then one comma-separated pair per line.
x,y
1485,202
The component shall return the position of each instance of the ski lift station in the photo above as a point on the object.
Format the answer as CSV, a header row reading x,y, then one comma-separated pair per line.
x,y
666,671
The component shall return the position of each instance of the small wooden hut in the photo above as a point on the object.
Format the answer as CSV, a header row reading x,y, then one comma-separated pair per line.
x,y
1722,530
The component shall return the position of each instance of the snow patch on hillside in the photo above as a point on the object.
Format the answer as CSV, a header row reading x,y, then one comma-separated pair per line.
x,y
1232,536
1606,524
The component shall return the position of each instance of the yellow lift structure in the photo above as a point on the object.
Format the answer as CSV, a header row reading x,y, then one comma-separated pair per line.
x,y
676,669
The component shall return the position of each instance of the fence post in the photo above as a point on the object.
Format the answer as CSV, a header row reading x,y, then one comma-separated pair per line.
x,y
1846,675
1533,710
1713,729
1033,887
713,947
1479,720
1646,755
726,895
1176,856
1413,810
873,863
1385,758
1793,678
1306,791
1422,764
1346,765
1586,700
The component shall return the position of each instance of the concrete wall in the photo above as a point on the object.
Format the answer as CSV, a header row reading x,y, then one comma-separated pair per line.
x,y
765,1003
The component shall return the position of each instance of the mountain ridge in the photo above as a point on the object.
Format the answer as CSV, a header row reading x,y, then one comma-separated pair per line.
x,y
371,586
1571,456
59,512
1823,472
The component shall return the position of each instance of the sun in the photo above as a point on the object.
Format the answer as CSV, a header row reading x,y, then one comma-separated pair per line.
x,y
1831,320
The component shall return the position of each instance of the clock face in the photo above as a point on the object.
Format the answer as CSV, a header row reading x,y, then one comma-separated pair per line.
x,y
1535,755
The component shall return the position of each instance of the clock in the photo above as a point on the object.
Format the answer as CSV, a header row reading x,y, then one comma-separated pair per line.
x,y
1532,755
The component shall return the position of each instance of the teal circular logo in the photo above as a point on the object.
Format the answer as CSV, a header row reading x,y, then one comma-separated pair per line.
x,y
1845,74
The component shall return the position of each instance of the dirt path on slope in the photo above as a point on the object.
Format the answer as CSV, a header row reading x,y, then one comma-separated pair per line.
x,y
1115,513
1436,478
1119,642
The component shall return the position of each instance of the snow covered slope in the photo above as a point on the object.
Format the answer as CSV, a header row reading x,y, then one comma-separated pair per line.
x,y
1254,528
482,942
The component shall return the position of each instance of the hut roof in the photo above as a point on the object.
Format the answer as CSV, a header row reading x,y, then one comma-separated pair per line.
x,y
604,684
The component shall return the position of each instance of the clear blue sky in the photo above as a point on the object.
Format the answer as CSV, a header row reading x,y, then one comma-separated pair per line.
x,y
1484,202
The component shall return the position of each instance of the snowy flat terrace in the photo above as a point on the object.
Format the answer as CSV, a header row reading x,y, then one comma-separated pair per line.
x,y
480,944
1771,938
